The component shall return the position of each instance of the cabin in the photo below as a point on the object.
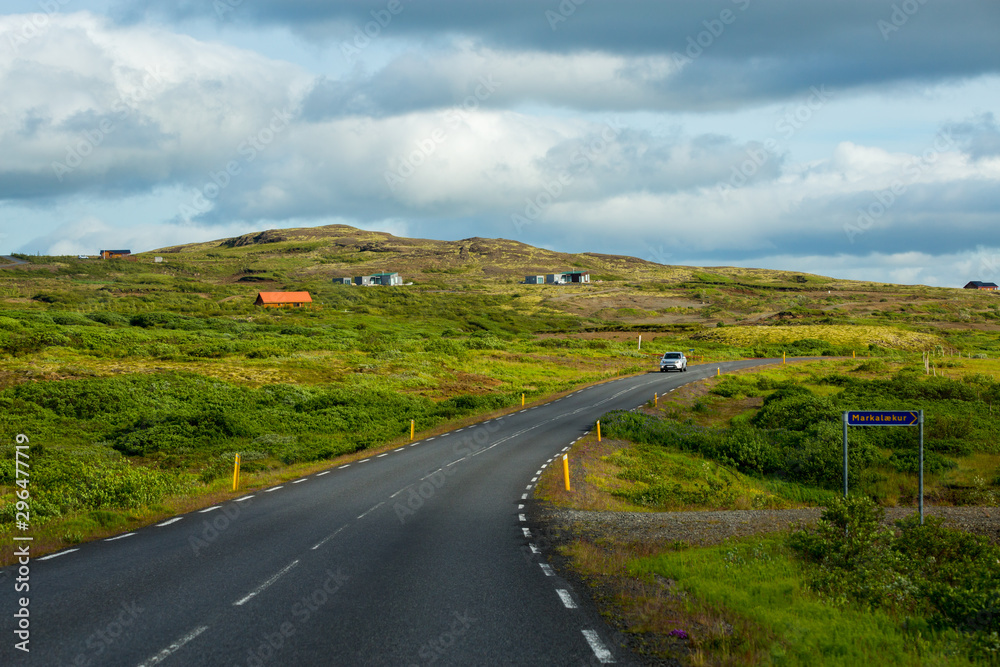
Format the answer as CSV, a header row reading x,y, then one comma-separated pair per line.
x,y
387,279
568,277
282,299
534,280
115,254
978,284
343,281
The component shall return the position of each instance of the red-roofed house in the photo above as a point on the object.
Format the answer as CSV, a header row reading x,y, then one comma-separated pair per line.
x,y
279,299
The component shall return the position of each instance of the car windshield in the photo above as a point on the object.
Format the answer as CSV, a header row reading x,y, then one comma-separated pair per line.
x,y
672,355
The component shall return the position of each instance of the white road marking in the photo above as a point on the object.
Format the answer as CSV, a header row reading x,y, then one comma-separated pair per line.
x,y
209,509
267,583
400,491
455,461
346,465
431,474
534,549
173,648
118,537
169,521
364,460
428,439
547,569
459,430
524,496
527,532
328,537
381,455
299,481
372,510
273,488
567,600
402,448
520,507
325,472
528,487
56,555
521,517
240,500
597,646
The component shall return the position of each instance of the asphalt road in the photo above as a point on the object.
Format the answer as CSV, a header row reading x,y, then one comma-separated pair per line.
x,y
418,556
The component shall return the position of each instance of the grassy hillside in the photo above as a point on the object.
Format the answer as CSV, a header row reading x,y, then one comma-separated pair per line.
x,y
138,381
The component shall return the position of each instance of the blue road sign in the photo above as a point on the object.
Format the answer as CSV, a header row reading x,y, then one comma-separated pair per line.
x,y
883,418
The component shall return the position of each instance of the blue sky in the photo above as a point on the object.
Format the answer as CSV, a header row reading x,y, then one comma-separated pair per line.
x,y
857,139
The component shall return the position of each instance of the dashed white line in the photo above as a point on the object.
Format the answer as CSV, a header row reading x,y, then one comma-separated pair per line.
x,y
273,488
402,448
521,517
547,569
209,509
328,537
240,500
267,583
381,455
346,465
299,481
459,430
524,496
118,537
534,549
520,507
372,510
428,439
528,487
325,472
169,521
527,532
566,598
364,460
173,648
56,555
535,478
597,646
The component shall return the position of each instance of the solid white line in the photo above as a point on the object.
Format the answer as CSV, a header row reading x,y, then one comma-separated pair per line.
x,y
56,555
299,481
240,500
273,488
372,510
325,472
118,537
173,648
567,600
547,569
346,465
597,646
209,509
527,532
169,521
328,537
266,583
521,517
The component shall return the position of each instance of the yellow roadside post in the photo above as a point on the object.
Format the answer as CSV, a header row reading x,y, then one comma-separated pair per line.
x,y
236,473
412,427
656,399
782,356
566,470
718,372
522,400
853,355
598,430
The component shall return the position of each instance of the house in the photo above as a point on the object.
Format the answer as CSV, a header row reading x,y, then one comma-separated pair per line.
x,y
387,279
568,277
279,299
978,284
115,254
534,280
343,281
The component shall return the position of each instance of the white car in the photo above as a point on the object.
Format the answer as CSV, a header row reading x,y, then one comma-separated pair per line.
x,y
673,361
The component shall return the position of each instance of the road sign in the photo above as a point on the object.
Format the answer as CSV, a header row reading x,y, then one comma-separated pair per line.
x,y
883,418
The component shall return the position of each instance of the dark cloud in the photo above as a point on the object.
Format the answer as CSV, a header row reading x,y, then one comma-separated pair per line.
x,y
980,136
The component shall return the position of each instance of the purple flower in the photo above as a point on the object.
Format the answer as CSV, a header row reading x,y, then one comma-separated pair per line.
x,y
680,634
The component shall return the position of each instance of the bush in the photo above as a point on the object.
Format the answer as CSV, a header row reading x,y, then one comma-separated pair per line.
x,y
107,317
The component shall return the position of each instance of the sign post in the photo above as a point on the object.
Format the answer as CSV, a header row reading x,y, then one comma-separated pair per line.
x,y
887,418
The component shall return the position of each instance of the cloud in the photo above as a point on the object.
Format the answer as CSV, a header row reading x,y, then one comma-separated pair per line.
x,y
980,136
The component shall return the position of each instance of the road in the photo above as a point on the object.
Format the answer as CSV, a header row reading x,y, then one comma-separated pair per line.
x,y
417,556
14,261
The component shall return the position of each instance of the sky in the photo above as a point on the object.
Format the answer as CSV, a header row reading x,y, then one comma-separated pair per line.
x,y
856,139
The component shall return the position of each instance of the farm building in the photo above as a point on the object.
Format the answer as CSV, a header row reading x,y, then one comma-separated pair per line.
x,y
534,280
978,284
568,277
280,299
387,279
115,254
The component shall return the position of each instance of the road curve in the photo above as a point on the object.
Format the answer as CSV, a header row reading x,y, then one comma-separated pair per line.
x,y
418,556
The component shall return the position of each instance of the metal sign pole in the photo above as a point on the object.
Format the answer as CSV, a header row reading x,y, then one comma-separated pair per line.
x,y
921,467
845,454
